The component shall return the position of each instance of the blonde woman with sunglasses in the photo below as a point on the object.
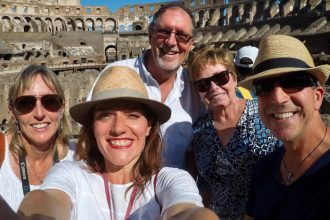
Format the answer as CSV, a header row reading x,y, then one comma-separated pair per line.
x,y
229,139
37,137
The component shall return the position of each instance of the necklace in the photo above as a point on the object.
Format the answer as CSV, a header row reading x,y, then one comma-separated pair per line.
x,y
291,173
131,200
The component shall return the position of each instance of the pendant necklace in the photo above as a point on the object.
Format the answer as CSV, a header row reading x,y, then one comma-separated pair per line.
x,y
130,203
291,173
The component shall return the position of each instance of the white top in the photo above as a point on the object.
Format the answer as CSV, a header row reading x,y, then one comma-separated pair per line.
x,y
11,186
185,106
87,192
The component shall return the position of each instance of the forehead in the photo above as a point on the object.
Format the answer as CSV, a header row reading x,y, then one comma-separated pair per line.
x,y
175,18
37,85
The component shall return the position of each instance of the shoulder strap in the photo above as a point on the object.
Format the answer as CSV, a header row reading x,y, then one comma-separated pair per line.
x,y
2,148
245,93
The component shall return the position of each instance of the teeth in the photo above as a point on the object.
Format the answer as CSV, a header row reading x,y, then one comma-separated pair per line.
x,y
284,115
120,143
39,125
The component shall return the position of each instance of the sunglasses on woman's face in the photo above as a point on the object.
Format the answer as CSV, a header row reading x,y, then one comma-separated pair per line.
x,y
26,104
290,83
219,79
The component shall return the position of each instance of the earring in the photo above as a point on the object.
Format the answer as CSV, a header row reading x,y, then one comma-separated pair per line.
x,y
17,128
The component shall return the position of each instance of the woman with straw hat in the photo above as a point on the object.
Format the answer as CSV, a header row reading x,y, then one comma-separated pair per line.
x,y
119,173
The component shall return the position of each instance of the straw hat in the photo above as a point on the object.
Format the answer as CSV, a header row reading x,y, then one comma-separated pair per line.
x,y
119,83
281,54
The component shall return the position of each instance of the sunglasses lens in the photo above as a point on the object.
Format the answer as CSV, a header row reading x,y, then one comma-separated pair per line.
x,y
221,78
202,85
51,103
25,104
263,87
290,83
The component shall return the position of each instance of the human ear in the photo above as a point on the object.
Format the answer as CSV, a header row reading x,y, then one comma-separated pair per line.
x,y
319,94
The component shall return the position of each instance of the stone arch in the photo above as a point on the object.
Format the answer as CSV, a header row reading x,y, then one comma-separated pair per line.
x,y
234,19
59,24
111,53
98,24
18,24
32,23
80,24
42,26
7,25
90,24
49,25
70,24
110,25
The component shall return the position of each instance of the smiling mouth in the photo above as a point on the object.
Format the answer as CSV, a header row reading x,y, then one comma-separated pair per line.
x,y
120,143
283,115
40,125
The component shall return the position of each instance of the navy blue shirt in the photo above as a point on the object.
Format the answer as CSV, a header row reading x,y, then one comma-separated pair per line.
x,y
307,198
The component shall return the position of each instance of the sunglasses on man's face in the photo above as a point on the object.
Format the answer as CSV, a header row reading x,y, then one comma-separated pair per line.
x,y
26,104
180,37
290,83
219,79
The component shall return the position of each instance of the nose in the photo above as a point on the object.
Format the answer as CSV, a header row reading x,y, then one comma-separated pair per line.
x,y
117,125
171,40
39,111
213,85
278,95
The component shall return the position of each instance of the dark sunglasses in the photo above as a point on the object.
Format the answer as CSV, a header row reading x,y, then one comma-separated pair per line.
x,y
219,79
290,83
26,104
180,37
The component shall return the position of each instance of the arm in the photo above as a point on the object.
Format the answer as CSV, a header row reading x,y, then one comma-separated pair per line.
x,y
45,205
188,211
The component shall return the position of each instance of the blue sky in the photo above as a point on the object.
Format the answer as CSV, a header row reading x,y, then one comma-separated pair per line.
x,y
114,5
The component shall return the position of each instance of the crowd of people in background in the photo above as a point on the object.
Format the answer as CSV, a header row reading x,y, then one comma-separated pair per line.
x,y
228,137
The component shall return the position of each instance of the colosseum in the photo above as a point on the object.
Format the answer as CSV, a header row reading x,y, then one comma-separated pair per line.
x,y
77,41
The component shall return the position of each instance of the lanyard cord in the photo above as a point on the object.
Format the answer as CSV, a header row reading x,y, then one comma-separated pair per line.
x,y
24,172
107,193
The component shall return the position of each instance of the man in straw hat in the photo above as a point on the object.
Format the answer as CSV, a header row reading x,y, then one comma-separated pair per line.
x,y
118,174
160,67
293,182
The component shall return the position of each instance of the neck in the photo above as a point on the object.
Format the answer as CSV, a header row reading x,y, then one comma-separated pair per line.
x,y
38,153
233,111
120,175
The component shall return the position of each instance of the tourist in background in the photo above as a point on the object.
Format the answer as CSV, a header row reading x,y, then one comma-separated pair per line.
x,y
229,139
244,61
37,136
119,174
171,36
292,182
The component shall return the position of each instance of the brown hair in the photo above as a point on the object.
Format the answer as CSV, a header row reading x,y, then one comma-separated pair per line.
x,y
22,82
213,56
148,164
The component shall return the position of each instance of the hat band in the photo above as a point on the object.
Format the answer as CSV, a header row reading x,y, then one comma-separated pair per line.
x,y
279,63
118,93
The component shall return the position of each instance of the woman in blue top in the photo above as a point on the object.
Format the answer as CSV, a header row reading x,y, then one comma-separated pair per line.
x,y
229,139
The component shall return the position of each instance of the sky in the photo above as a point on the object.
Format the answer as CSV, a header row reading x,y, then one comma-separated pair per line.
x,y
114,5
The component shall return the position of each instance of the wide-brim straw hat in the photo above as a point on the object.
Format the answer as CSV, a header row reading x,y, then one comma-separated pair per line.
x,y
119,83
282,54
